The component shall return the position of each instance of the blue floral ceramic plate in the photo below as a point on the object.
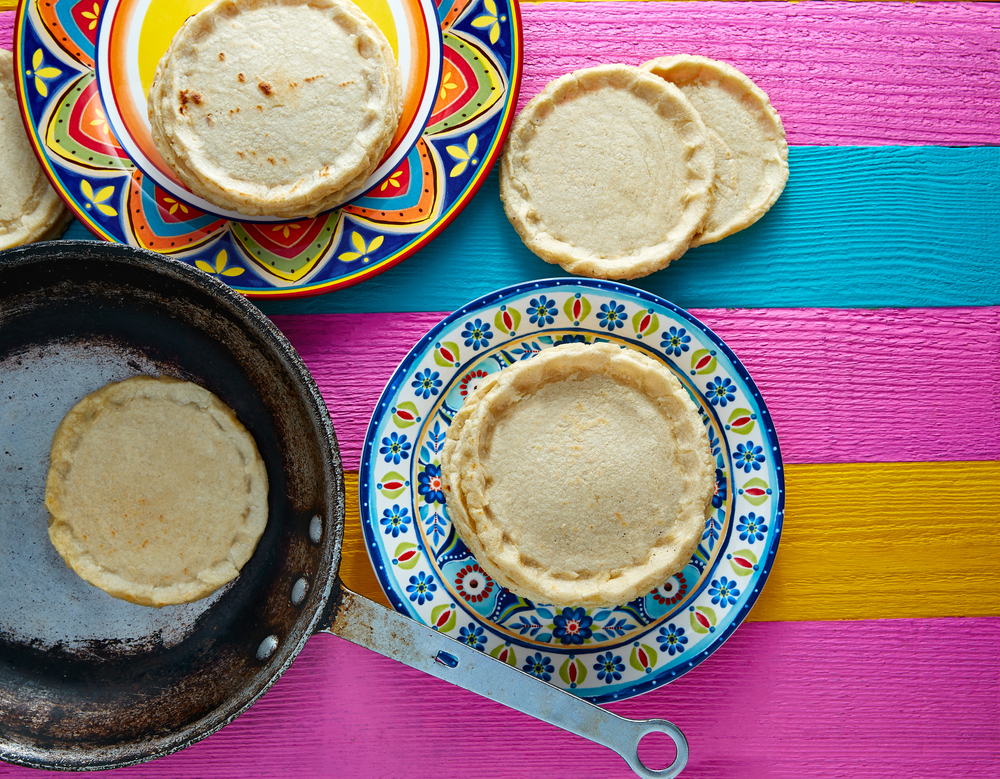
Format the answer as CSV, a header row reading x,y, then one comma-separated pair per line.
x,y
599,653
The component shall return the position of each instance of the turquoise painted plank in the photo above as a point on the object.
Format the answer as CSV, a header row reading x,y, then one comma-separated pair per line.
x,y
857,227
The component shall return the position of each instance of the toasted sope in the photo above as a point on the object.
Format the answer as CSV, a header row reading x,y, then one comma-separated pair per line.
x,y
30,210
607,172
751,154
276,107
156,492
580,477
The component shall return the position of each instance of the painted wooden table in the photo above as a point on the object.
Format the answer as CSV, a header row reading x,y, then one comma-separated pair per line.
x,y
866,305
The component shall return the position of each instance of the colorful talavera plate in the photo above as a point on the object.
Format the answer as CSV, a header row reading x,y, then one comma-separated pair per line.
x,y
89,139
599,653
132,36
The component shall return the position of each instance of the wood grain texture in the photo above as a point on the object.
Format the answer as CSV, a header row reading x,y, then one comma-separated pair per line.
x,y
842,385
855,227
861,74
906,699
858,74
886,540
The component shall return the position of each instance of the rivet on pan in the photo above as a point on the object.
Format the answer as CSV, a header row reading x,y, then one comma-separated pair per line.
x,y
267,647
299,591
316,529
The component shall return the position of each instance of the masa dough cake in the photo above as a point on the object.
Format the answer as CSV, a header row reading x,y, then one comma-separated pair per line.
x,y
580,477
607,172
156,493
751,154
276,107
30,210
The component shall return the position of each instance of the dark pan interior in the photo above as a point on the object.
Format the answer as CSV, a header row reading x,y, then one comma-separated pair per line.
x,y
86,680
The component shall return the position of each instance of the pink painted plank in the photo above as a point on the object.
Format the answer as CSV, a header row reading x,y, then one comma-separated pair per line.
x,y
866,74
885,698
843,385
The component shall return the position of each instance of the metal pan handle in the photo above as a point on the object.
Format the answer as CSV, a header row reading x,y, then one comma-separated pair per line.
x,y
366,623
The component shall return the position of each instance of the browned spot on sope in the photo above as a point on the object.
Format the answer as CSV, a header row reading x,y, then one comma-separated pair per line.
x,y
240,77
222,56
264,87
271,160
313,78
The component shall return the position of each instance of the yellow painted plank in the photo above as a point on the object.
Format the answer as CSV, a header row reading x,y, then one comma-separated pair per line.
x,y
866,541
355,568
860,541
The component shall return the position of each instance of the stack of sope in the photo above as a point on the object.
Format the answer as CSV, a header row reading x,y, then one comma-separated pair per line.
x,y
615,171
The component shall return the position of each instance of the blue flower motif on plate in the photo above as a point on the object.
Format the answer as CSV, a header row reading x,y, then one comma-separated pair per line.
x,y
430,485
541,310
723,592
752,528
749,457
396,520
540,666
421,588
395,447
573,626
477,334
675,341
574,338
612,315
672,639
721,391
473,636
426,383
609,667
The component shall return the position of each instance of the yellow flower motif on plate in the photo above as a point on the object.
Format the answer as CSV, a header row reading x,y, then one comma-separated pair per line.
x,y
41,74
285,229
360,249
175,204
92,15
220,268
464,156
102,122
391,181
98,199
446,85
490,20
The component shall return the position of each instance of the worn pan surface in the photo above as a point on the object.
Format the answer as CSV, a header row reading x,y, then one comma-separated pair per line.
x,y
88,681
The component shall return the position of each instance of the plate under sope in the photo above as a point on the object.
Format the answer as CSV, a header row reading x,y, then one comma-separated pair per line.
x,y
90,137
598,653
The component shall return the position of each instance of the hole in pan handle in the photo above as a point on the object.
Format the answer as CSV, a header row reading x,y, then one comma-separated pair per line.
x,y
366,623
